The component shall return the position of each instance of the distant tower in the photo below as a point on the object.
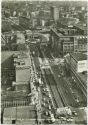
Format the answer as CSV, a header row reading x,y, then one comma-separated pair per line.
x,y
54,13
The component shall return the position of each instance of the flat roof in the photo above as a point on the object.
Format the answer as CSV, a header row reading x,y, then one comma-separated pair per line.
x,y
22,87
21,112
66,36
23,70
83,76
14,95
79,56
81,114
22,57
20,38
6,54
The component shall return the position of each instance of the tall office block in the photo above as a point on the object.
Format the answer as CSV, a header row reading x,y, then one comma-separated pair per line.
x,y
54,13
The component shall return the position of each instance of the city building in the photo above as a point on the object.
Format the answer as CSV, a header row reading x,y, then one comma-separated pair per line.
x,y
14,20
15,79
24,22
5,12
10,41
76,63
67,45
80,43
22,67
20,38
54,13
7,69
66,39
13,98
6,25
20,115
3,40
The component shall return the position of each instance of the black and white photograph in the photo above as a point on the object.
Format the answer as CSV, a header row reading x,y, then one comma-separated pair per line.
x,y
44,62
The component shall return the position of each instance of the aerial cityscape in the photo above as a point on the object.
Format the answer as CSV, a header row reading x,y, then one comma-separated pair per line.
x,y
44,62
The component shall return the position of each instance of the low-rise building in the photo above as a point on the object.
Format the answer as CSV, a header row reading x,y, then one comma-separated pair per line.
x,y
14,20
77,65
78,62
20,115
80,43
3,40
66,40
22,67
7,68
25,22
15,91
20,96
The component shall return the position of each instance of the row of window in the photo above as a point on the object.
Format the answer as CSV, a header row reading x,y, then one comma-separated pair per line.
x,y
66,47
15,103
80,47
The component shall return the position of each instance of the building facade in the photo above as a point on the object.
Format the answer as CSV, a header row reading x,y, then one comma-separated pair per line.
x,y
77,65
78,62
80,43
66,41
54,13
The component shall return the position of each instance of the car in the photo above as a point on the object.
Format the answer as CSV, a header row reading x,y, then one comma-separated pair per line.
x,y
74,113
44,92
49,107
49,96
44,104
44,99
47,89
59,76
70,119
48,101
46,113
77,100
52,118
44,89
48,121
63,118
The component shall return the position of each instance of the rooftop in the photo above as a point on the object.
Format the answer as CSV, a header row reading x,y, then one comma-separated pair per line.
x,y
22,87
82,25
22,112
21,60
6,54
79,56
68,20
81,114
15,95
20,38
83,76
67,36
22,64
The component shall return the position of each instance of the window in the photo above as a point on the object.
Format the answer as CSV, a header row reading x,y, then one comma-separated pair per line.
x,y
13,121
68,47
65,47
71,47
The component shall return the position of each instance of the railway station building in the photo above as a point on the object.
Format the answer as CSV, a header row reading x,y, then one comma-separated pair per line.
x,y
77,65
